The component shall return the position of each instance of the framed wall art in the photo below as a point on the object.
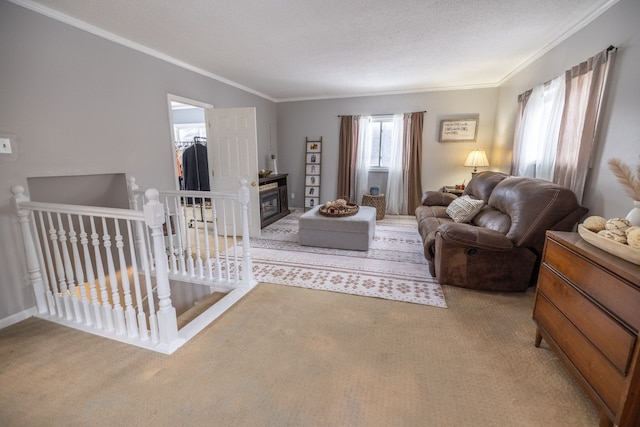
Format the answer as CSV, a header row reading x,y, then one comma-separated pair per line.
x,y
458,130
313,161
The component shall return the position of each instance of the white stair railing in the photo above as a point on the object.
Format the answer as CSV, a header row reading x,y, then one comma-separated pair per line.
x,y
202,235
67,270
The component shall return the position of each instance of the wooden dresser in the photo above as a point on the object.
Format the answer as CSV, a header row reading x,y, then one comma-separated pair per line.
x,y
587,309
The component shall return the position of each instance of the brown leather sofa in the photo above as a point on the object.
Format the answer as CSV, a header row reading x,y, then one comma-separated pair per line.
x,y
501,247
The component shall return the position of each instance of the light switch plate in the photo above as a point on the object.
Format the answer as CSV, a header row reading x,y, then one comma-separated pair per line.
x,y
5,146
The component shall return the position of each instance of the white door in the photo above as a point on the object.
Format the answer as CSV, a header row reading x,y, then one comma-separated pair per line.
x,y
232,148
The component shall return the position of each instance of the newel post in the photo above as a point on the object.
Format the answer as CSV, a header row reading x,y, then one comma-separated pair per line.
x,y
247,266
33,266
154,218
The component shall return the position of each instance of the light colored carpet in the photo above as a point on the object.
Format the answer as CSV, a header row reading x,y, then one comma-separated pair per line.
x,y
393,268
287,356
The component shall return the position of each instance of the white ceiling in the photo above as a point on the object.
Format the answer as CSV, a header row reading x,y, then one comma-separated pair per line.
x,y
310,49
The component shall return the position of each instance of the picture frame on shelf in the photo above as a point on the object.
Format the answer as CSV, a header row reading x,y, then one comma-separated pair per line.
x,y
459,130
311,202
312,180
313,158
314,146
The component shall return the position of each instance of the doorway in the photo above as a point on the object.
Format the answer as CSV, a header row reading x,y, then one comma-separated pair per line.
x,y
188,127
230,150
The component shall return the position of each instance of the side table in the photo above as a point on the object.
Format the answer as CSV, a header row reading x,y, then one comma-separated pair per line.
x,y
378,201
452,190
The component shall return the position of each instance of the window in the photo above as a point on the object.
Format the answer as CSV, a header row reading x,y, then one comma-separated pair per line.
x,y
539,130
380,133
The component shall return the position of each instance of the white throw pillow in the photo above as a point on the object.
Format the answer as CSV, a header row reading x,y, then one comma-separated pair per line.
x,y
464,208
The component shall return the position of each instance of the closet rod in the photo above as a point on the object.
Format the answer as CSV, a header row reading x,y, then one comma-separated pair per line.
x,y
374,115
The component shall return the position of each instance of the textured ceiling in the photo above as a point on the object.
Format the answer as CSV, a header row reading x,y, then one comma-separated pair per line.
x,y
307,49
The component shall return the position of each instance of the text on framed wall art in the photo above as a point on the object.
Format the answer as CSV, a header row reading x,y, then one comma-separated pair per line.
x,y
458,130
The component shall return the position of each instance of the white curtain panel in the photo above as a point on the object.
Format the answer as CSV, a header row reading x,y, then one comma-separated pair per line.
x,y
539,130
363,157
396,201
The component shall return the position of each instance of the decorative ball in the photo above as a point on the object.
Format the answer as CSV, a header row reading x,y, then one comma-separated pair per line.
x,y
617,224
633,238
630,229
615,235
340,202
594,223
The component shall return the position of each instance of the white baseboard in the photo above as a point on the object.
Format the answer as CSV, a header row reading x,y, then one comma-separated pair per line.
x,y
18,317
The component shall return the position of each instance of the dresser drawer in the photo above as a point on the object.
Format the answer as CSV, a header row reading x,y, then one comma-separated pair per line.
x,y
594,368
614,340
618,297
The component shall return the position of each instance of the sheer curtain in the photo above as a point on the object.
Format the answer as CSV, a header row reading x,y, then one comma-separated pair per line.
x,y
586,84
538,130
363,156
523,100
396,188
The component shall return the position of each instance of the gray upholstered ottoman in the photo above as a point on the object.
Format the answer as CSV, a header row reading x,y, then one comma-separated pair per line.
x,y
352,232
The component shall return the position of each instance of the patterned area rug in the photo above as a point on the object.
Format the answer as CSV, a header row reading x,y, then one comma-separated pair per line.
x,y
393,268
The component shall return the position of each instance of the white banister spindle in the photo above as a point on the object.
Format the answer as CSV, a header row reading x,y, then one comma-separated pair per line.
x,y
247,266
95,315
129,312
207,250
153,319
64,304
149,244
196,234
43,263
118,312
187,233
142,321
76,314
225,227
169,234
180,220
107,315
154,218
135,204
77,262
216,240
234,237
33,266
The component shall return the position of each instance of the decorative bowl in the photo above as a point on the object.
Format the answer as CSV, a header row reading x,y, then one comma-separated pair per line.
x,y
620,250
263,173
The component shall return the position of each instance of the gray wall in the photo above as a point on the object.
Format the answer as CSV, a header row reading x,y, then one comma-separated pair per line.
x,y
81,105
620,132
442,163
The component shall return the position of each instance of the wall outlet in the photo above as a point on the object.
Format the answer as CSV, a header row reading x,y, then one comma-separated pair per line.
x,y
5,146
293,196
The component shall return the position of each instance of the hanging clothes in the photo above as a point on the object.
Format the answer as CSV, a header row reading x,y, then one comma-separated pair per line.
x,y
195,168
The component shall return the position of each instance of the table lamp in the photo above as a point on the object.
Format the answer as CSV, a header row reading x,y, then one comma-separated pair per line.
x,y
476,158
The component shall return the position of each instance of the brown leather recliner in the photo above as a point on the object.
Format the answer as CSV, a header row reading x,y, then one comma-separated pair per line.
x,y
500,249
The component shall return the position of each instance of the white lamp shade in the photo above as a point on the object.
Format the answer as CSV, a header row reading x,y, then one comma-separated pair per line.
x,y
477,158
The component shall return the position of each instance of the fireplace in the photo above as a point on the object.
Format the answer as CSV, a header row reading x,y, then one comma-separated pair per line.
x,y
273,199
269,205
